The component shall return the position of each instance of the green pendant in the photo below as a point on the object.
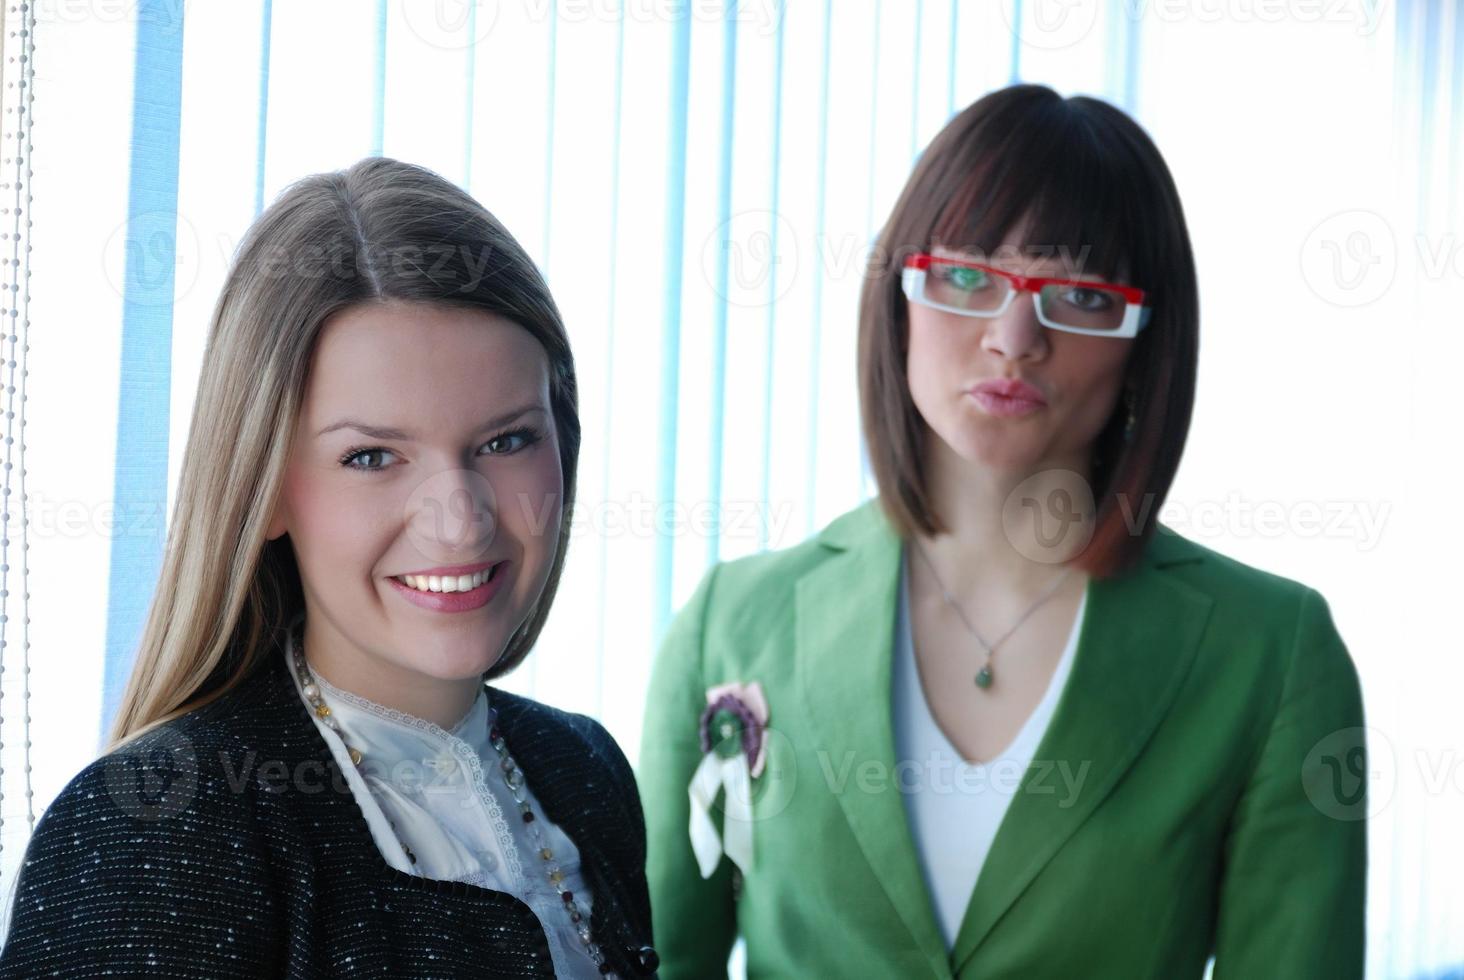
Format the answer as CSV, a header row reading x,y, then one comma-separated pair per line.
x,y
983,679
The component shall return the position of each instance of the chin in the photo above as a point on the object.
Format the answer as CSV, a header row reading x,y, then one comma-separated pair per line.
x,y
978,446
454,662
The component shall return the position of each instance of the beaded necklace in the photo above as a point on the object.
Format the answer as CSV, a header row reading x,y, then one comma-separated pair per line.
x,y
512,775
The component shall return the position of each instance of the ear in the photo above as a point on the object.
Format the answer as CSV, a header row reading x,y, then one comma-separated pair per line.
x,y
277,526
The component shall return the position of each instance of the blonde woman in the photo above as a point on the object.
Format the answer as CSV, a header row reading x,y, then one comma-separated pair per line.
x,y
1000,722
309,774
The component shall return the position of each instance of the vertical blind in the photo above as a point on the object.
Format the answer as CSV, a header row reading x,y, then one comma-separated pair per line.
x,y
701,183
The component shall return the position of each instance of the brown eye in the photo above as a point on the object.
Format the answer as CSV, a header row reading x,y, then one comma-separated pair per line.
x,y
1091,300
526,437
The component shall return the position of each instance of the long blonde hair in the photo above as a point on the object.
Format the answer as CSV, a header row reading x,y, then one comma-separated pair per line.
x,y
378,230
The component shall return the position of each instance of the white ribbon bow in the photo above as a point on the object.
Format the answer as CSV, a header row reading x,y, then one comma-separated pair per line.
x,y
736,840
734,775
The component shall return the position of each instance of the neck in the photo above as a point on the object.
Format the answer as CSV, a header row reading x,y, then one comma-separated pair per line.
x,y
442,702
1009,532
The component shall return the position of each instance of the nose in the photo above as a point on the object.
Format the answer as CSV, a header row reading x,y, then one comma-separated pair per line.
x,y
1017,334
456,514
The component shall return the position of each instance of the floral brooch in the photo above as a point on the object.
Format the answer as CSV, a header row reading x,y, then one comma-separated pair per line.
x,y
732,729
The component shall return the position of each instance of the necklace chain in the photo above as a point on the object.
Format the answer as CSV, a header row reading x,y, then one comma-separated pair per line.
x,y
985,676
513,777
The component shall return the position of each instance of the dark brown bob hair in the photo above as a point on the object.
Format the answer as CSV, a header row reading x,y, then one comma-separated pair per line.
x,y
1093,184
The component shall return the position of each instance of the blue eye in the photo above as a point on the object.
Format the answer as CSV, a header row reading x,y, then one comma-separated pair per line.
x,y
350,455
525,435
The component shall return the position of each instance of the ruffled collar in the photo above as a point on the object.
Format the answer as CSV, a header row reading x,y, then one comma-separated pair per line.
x,y
387,735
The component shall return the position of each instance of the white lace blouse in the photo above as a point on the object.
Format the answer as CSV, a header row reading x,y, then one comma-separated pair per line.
x,y
444,792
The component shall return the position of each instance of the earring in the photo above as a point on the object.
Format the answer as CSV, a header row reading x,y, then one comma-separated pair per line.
x,y
1128,428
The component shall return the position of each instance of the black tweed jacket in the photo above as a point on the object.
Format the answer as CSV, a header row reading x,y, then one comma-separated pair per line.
x,y
227,844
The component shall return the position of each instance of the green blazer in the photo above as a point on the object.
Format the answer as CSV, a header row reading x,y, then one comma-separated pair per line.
x,y
1212,711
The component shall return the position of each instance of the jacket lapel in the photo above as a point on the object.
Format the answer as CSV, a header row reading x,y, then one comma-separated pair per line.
x,y
554,762
845,611
1138,639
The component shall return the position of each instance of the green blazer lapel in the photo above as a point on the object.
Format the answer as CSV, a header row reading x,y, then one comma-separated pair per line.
x,y
1138,640
845,610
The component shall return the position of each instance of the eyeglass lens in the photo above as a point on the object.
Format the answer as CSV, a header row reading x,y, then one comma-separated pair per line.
x,y
1088,307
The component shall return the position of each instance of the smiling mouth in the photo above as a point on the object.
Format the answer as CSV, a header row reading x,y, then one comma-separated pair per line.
x,y
448,583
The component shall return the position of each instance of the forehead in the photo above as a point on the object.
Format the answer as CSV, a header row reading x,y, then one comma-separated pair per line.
x,y
402,355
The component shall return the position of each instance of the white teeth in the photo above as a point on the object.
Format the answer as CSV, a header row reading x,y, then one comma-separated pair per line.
x,y
448,583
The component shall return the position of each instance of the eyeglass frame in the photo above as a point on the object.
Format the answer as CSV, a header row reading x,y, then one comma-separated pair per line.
x,y
1135,318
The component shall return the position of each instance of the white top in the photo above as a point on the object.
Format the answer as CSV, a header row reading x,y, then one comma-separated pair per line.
x,y
445,793
954,806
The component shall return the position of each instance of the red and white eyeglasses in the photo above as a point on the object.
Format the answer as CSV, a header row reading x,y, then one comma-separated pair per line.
x,y
1099,309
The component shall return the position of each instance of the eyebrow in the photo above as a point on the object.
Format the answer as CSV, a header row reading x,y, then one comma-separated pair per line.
x,y
401,435
961,256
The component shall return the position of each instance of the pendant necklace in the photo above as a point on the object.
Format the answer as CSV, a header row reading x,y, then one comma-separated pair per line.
x,y
985,677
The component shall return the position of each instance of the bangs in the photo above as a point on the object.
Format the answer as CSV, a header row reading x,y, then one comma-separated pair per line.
x,y
1068,178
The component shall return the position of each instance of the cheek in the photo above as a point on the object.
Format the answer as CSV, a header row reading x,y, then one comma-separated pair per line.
x,y
925,350
324,521
531,499
1094,384
929,365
